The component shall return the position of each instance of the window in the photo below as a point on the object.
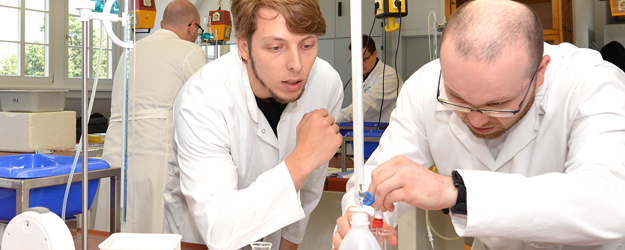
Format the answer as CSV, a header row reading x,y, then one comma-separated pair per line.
x,y
74,46
25,47
40,46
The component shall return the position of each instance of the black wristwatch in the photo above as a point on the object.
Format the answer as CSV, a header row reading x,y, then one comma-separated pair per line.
x,y
461,201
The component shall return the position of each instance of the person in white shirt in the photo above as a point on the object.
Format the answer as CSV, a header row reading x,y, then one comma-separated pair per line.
x,y
159,66
531,134
381,85
254,131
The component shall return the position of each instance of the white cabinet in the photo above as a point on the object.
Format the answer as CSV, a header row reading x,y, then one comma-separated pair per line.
x,y
328,10
337,14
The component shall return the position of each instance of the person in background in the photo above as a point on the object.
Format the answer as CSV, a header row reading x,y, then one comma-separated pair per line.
x,y
380,87
528,138
160,64
254,131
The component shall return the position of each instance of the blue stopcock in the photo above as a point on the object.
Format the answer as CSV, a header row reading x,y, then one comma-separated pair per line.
x,y
368,199
207,36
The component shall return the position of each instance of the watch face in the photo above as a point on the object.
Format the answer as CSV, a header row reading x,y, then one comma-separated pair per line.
x,y
147,3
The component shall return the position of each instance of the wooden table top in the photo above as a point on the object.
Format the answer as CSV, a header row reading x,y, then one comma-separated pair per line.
x,y
337,184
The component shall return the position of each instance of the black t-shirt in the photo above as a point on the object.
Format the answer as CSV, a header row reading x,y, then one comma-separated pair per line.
x,y
272,111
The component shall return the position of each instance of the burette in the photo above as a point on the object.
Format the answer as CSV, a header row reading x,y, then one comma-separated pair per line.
x,y
356,39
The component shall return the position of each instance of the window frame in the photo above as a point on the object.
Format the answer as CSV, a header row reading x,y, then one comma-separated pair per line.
x,y
105,84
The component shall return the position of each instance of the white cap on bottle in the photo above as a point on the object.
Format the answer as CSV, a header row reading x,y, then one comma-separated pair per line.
x,y
359,216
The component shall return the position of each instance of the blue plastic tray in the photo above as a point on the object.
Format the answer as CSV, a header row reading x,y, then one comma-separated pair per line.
x,y
369,147
30,166
365,124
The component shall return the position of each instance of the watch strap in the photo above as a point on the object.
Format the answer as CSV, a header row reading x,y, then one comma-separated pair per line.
x,y
461,202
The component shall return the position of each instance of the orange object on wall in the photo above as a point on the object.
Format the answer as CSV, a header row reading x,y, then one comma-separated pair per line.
x,y
222,22
617,7
143,14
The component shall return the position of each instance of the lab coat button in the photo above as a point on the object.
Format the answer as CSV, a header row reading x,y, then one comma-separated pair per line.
x,y
264,131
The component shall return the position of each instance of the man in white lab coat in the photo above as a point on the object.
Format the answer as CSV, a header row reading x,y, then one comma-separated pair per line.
x,y
380,87
532,135
254,131
164,61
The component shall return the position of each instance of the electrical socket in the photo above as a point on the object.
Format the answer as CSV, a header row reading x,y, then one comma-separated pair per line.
x,y
621,5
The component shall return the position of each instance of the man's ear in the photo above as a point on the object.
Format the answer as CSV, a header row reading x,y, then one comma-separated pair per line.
x,y
242,46
375,54
190,30
540,75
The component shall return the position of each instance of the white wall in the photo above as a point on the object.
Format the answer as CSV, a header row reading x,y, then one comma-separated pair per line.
x,y
583,23
599,21
160,7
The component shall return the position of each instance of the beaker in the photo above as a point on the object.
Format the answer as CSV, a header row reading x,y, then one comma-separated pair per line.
x,y
261,245
383,237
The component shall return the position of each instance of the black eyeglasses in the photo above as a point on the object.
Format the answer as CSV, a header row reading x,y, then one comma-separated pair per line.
x,y
365,58
201,31
488,112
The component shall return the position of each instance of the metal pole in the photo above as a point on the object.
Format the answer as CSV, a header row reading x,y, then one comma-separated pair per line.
x,y
216,45
85,127
124,161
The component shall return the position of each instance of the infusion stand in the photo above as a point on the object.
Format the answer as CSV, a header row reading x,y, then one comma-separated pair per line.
x,y
85,8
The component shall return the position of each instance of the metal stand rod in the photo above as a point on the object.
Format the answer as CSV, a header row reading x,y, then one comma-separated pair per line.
x,y
216,44
85,127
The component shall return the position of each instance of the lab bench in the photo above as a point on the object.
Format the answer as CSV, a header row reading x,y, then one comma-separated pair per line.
x,y
335,183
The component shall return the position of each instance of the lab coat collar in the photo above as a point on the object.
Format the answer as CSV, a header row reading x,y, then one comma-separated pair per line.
x,y
519,136
377,70
252,107
476,145
263,128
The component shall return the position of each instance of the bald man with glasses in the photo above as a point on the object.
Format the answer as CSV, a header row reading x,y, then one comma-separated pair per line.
x,y
529,138
160,64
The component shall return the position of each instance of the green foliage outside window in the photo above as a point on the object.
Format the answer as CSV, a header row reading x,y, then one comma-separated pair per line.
x,y
35,55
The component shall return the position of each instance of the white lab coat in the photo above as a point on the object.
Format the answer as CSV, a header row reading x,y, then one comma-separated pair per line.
x,y
164,62
228,185
380,84
560,176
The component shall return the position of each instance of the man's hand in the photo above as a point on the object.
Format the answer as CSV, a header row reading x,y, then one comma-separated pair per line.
x,y
401,179
318,139
343,226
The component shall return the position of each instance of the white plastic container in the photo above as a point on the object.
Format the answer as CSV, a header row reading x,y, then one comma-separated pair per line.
x,y
32,100
133,241
359,237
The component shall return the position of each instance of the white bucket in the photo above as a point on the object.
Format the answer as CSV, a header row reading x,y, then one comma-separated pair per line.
x,y
136,241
